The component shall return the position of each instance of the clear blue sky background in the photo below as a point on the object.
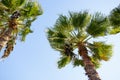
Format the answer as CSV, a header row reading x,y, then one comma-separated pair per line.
x,y
36,60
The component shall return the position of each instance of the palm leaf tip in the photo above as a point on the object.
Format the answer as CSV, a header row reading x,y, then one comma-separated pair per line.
x,y
50,33
25,32
37,8
114,30
63,61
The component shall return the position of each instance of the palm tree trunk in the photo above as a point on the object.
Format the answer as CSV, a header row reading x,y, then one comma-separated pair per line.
x,y
9,47
5,37
88,65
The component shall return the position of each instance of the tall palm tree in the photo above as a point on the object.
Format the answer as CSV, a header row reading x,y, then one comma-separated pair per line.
x,y
16,17
114,18
77,31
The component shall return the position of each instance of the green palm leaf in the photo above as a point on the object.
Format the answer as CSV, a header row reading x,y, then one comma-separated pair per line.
x,y
114,30
56,39
31,9
95,61
114,17
64,61
98,25
3,7
79,20
25,32
101,50
78,62
24,29
13,4
63,24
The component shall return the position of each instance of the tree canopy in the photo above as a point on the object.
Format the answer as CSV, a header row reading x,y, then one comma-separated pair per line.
x,y
74,32
16,19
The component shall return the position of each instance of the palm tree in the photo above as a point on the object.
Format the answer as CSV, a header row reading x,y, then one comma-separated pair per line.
x,y
77,31
114,18
16,17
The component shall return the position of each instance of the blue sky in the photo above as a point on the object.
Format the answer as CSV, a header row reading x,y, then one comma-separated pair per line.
x,y
34,59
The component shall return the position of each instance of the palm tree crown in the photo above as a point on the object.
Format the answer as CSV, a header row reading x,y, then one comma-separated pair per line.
x,y
16,18
74,32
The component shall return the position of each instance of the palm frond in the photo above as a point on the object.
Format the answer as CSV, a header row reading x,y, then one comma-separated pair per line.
x,y
50,32
56,39
101,50
66,25
79,20
114,17
64,61
63,24
96,61
13,4
3,7
25,32
31,9
98,25
114,30
24,29
78,62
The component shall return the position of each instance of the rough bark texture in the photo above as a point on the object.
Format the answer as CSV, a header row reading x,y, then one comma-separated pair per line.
x,y
9,48
5,38
88,65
